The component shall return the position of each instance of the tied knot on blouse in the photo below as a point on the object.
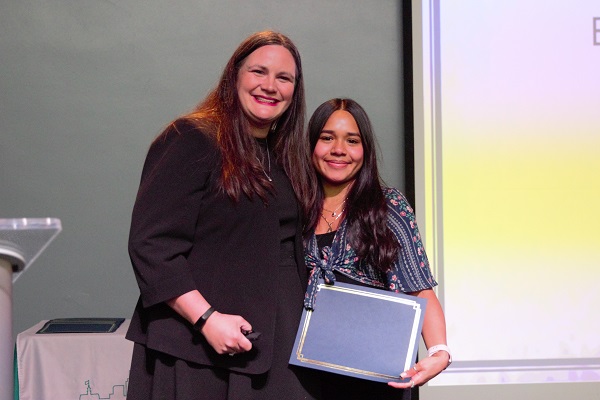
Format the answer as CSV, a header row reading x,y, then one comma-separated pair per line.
x,y
322,262
321,270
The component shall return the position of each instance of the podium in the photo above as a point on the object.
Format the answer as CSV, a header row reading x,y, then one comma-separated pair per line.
x,y
22,240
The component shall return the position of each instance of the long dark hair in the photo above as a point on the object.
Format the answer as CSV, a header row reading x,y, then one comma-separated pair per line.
x,y
221,115
366,206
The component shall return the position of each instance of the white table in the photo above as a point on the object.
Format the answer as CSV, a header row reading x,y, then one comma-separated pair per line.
x,y
74,366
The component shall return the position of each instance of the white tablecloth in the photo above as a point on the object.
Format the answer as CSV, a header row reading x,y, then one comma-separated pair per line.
x,y
73,366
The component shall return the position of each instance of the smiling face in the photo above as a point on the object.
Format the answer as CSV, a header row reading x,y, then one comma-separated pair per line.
x,y
265,86
338,154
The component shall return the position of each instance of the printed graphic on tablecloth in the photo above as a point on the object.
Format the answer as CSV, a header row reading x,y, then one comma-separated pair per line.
x,y
119,392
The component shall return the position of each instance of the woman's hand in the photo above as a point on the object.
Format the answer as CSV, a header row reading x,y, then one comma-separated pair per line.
x,y
224,333
423,371
434,333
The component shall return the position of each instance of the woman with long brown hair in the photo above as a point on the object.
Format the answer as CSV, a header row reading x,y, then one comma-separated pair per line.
x,y
364,233
216,241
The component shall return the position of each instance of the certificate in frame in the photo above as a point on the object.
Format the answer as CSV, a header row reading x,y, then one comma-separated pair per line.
x,y
362,332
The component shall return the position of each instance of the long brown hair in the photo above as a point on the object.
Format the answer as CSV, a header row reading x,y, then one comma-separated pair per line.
x,y
221,115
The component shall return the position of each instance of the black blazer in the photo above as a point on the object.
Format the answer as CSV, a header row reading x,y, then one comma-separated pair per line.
x,y
185,235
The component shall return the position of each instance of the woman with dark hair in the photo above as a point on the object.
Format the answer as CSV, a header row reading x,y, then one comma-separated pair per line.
x,y
216,238
363,233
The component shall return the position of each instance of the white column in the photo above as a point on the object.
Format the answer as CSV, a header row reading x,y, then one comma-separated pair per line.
x,y
6,335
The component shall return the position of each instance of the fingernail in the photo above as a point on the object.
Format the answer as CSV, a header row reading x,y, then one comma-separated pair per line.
x,y
403,375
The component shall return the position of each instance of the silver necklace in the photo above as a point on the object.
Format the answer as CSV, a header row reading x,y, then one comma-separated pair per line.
x,y
336,217
269,163
334,212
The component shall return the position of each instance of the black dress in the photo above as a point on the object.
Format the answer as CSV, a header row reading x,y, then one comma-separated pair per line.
x,y
156,375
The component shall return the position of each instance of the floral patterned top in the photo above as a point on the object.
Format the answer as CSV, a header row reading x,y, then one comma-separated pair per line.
x,y
410,272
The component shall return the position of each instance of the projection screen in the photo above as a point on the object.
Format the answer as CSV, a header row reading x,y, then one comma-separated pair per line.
x,y
507,143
